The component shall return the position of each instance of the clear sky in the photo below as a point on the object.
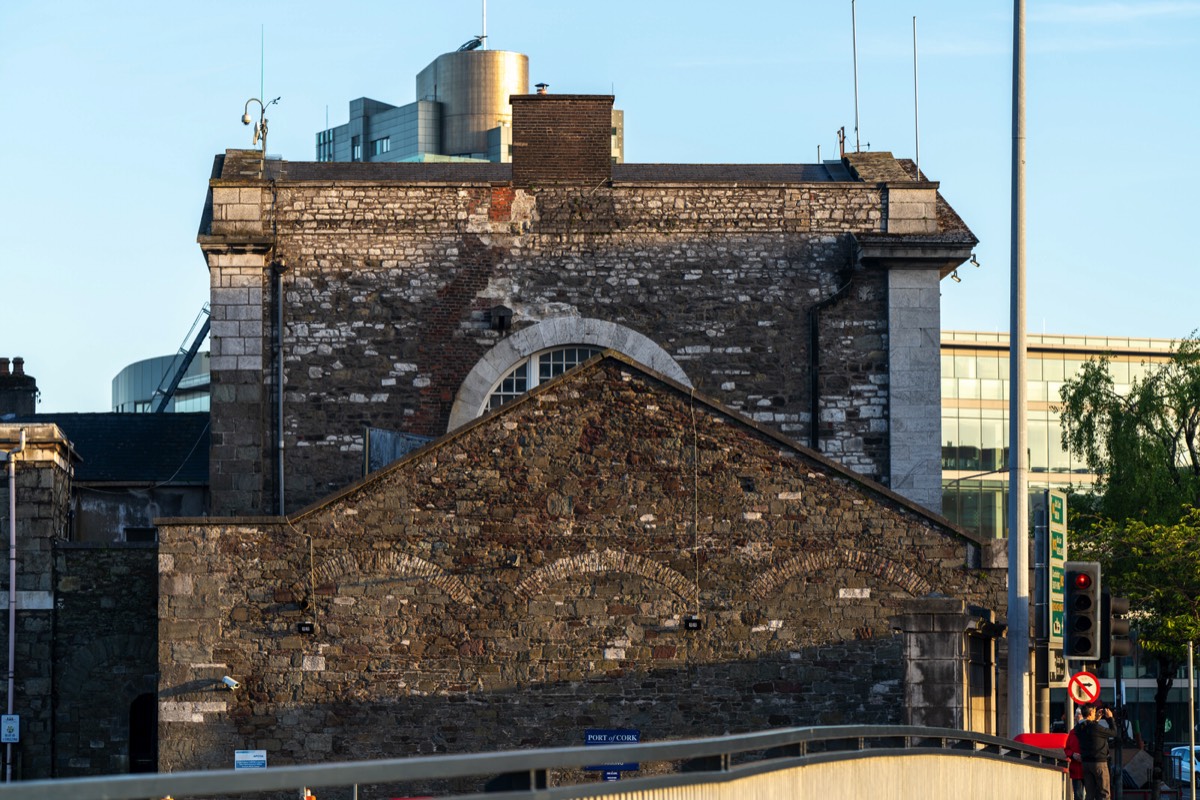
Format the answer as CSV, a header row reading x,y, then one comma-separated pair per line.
x,y
115,110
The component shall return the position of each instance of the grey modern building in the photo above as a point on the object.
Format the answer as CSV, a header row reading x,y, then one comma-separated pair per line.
x,y
462,113
140,386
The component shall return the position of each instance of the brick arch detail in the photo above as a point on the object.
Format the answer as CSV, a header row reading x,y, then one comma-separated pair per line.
x,y
607,561
115,649
840,558
557,332
389,564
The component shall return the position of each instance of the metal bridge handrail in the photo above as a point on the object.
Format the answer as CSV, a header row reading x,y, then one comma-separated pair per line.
x,y
865,739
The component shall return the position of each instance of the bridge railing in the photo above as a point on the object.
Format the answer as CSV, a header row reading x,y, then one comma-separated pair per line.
x,y
528,773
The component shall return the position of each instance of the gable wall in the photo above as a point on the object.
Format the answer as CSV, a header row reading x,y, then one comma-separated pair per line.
x,y
529,578
388,286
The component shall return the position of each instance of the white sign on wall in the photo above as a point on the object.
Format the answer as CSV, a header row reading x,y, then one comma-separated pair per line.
x,y
249,759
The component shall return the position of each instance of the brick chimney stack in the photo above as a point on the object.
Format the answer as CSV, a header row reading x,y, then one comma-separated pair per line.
x,y
561,138
18,391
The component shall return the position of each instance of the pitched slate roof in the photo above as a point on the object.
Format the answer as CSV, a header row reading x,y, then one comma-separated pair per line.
x,y
135,448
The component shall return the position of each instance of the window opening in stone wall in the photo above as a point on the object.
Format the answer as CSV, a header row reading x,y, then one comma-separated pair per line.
x,y
143,734
141,534
537,369
981,706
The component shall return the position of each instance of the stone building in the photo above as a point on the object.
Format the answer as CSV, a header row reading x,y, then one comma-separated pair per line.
x,y
409,298
610,550
640,542
87,490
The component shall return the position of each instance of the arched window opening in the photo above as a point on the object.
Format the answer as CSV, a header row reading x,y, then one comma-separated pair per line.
x,y
536,370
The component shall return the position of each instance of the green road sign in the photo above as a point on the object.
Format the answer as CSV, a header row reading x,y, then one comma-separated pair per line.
x,y
1056,503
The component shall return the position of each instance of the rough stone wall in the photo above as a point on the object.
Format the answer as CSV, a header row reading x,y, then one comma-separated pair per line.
x,y
388,287
105,652
530,576
43,473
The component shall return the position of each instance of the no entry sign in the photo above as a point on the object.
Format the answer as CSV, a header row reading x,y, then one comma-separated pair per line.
x,y
1084,688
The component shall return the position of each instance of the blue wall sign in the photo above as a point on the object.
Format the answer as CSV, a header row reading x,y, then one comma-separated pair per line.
x,y
601,737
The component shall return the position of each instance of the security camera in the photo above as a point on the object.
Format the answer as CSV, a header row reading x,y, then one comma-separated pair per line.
x,y
230,683
246,119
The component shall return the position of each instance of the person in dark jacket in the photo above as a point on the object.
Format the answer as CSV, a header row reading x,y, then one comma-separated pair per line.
x,y
1094,737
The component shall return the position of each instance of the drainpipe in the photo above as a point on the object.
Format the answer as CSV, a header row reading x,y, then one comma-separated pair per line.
x,y
10,457
278,267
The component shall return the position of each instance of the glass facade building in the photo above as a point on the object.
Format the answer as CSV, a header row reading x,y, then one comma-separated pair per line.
x,y
975,370
135,389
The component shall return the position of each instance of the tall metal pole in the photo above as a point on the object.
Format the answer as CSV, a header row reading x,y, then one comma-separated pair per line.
x,y
1192,719
11,457
916,105
1018,476
854,44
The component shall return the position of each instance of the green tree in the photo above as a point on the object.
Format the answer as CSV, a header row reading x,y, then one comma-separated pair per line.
x,y
1143,525
1143,445
1157,566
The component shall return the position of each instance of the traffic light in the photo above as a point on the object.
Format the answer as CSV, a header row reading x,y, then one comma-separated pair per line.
x,y
1114,628
1081,639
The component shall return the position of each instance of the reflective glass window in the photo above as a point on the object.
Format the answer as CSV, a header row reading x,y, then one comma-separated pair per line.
x,y
992,439
1039,455
1058,458
968,452
991,390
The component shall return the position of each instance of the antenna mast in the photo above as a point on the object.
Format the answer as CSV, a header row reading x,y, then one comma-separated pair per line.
x,y
854,44
484,36
916,106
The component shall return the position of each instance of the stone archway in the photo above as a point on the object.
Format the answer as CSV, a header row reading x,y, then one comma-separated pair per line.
x,y
561,331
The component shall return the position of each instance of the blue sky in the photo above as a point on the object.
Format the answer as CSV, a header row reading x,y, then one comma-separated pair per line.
x,y
115,111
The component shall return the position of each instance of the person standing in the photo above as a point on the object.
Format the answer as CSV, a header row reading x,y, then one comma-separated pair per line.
x,y
1075,768
1093,738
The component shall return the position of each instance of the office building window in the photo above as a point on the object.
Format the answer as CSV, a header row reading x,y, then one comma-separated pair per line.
x,y
325,146
356,148
381,146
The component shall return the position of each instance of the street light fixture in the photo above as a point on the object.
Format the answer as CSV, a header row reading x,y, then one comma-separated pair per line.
x,y
260,129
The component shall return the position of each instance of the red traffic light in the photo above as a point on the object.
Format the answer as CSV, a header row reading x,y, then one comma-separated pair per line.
x,y
1081,580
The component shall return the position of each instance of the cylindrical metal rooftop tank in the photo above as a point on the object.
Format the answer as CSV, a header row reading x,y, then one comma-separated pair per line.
x,y
473,87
